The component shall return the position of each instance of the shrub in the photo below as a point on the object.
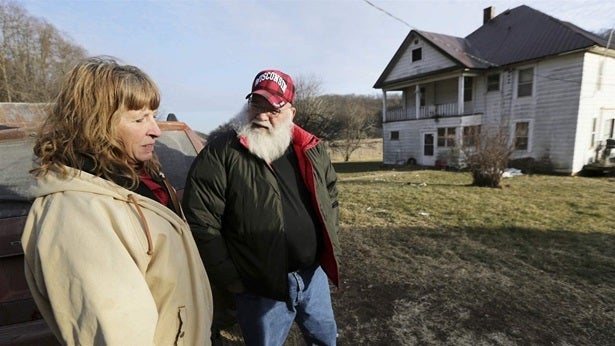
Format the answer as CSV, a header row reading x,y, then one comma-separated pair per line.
x,y
488,158
454,158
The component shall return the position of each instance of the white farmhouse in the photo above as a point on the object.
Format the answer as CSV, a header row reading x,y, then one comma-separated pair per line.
x,y
548,83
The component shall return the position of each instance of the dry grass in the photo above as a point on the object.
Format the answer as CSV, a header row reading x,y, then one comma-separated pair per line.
x,y
369,150
429,260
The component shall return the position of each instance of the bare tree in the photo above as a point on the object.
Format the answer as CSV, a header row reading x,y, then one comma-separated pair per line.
x,y
33,56
343,120
607,34
357,116
313,112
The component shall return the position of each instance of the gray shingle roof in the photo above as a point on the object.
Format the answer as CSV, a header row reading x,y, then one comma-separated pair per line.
x,y
457,48
523,34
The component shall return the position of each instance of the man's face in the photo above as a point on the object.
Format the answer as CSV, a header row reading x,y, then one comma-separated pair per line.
x,y
268,130
266,117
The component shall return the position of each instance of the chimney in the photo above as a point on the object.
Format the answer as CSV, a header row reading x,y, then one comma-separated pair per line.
x,y
488,14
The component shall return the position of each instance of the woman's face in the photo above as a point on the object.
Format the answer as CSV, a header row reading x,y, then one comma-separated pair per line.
x,y
138,131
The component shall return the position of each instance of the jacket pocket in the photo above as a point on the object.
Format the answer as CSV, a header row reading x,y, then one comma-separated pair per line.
x,y
181,318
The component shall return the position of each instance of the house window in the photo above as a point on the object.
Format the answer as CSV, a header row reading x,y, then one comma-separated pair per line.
x,y
526,82
493,82
422,97
394,135
470,135
522,135
446,137
417,54
468,83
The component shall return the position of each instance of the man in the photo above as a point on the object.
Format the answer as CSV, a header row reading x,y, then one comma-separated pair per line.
x,y
261,201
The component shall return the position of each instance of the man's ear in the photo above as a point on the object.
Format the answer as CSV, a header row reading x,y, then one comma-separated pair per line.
x,y
294,111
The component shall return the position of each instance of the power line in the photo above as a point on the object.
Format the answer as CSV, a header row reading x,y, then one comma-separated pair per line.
x,y
432,39
390,15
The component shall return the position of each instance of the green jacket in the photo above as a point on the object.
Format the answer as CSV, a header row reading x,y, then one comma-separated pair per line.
x,y
233,205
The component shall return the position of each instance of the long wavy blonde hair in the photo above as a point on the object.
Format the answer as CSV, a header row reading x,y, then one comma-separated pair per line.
x,y
82,122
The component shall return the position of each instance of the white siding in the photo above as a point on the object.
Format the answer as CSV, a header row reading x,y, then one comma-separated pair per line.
x,y
496,105
597,101
410,137
551,110
409,143
432,60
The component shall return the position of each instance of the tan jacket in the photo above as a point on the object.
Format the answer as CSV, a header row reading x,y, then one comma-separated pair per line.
x,y
86,250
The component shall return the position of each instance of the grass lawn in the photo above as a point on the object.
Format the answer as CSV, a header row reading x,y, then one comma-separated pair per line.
x,y
430,260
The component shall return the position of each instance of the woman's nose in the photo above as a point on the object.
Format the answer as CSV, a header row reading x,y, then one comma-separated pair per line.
x,y
154,129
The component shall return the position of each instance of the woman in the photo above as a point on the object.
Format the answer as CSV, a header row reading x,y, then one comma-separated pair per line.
x,y
109,257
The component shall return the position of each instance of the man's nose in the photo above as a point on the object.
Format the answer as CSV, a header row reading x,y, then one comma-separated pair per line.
x,y
262,115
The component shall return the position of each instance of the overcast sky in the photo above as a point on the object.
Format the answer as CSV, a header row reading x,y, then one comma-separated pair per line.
x,y
204,54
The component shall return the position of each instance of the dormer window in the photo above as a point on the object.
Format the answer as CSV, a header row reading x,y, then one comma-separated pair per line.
x,y
417,54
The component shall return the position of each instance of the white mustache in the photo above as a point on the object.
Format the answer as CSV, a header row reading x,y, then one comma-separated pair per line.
x,y
262,123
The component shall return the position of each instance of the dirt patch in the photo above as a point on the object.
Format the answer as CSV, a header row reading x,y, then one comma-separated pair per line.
x,y
424,287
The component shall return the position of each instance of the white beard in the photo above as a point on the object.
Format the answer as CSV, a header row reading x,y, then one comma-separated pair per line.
x,y
268,144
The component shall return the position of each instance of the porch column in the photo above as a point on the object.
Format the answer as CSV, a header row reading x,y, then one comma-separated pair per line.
x,y
384,105
460,88
417,101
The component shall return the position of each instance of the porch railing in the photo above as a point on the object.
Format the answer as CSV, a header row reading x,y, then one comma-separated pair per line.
x,y
425,112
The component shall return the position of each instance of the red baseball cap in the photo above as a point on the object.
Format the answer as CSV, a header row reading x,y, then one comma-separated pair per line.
x,y
274,85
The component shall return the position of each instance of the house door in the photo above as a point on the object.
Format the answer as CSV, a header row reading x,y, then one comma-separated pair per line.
x,y
428,148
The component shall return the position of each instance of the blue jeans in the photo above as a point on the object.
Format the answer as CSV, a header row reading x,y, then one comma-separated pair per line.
x,y
266,322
